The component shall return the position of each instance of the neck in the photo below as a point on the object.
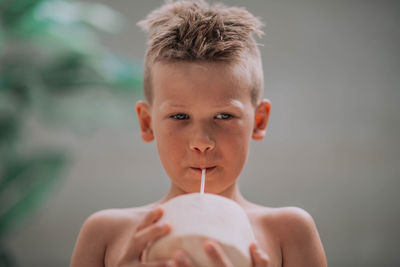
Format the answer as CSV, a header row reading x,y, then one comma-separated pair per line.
x,y
232,192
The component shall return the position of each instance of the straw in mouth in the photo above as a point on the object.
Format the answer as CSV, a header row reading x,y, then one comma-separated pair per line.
x,y
203,180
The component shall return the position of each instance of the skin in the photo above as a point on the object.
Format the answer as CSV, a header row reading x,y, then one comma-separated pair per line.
x,y
201,116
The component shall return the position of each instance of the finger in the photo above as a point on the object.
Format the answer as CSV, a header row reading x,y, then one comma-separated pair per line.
x,y
217,255
150,234
258,256
182,259
151,217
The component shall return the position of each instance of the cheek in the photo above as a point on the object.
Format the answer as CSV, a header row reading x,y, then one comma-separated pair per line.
x,y
238,132
235,142
169,145
238,139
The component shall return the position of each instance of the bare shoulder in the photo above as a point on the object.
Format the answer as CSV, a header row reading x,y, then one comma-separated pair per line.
x,y
286,223
278,215
292,220
99,230
110,221
114,218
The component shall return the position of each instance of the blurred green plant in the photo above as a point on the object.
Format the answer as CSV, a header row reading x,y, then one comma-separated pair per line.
x,y
54,69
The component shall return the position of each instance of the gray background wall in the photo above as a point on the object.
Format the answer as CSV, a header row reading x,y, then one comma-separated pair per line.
x,y
332,72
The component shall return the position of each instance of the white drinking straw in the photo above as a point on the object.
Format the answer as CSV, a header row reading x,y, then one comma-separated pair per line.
x,y
203,180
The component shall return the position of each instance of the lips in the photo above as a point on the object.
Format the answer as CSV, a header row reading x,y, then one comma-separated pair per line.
x,y
199,169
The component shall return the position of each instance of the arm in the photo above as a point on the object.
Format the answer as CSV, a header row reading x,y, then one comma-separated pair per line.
x,y
301,244
91,244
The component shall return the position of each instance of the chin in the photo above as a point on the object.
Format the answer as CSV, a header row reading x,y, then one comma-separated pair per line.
x,y
211,189
216,183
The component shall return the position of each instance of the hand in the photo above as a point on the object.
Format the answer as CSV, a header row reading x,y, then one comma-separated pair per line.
x,y
147,232
213,250
217,255
219,258
258,257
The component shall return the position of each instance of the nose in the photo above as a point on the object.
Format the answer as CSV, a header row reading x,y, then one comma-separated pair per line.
x,y
201,140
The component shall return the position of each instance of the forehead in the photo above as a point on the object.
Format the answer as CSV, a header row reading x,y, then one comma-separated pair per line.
x,y
214,82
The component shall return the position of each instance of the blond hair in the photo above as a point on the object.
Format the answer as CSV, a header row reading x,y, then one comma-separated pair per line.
x,y
196,31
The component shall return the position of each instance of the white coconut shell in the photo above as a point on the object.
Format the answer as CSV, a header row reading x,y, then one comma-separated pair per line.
x,y
196,217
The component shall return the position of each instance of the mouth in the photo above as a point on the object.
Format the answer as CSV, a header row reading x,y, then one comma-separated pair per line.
x,y
208,169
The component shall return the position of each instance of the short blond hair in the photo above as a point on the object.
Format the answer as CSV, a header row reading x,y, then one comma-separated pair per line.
x,y
197,31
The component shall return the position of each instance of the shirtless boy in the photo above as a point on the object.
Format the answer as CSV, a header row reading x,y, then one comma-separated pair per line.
x,y
203,84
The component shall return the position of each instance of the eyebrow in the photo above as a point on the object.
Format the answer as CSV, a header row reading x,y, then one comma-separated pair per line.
x,y
230,104
176,105
172,105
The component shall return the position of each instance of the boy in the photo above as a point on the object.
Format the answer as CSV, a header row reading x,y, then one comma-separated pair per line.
x,y
203,84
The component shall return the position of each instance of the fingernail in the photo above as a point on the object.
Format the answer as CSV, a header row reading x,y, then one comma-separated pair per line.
x,y
158,210
209,247
179,256
170,263
166,227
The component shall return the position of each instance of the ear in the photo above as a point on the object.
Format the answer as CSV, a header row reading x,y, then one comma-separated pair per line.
x,y
144,117
261,117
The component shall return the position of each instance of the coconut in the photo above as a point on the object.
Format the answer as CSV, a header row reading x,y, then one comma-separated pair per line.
x,y
196,217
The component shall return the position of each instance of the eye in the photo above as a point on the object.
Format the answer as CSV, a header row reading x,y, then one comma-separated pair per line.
x,y
224,116
180,116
